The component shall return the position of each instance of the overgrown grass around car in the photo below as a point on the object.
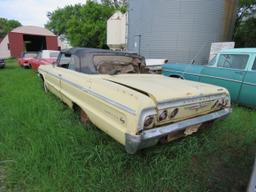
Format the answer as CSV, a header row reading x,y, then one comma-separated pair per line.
x,y
44,147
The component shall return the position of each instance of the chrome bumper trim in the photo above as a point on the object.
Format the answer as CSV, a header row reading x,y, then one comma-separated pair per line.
x,y
151,137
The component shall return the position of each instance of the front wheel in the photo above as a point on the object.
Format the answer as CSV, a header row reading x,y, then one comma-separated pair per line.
x,y
45,87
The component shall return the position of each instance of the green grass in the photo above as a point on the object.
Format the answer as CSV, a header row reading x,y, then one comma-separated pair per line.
x,y
44,147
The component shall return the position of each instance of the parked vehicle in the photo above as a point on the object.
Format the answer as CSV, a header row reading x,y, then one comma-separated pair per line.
x,y
26,57
44,57
2,63
234,69
138,110
155,65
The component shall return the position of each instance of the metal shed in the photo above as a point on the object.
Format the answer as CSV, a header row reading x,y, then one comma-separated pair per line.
x,y
179,30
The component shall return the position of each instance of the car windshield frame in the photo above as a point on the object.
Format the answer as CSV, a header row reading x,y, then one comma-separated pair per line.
x,y
213,61
54,54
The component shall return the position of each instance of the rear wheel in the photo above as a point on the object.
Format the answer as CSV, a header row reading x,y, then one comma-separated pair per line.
x,y
84,117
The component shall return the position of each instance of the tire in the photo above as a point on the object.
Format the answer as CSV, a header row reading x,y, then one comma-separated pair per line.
x,y
44,84
84,117
45,87
177,77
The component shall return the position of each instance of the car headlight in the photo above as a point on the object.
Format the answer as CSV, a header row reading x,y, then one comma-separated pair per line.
x,y
148,122
163,115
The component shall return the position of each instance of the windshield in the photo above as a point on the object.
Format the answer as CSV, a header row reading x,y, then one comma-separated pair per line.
x,y
30,55
213,61
112,64
54,55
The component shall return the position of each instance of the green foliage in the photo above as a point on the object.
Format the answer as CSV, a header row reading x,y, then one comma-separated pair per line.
x,y
83,25
121,5
7,25
244,33
44,147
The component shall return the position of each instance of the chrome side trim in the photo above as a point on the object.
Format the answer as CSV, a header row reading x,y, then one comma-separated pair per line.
x,y
248,83
148,138
93,93
189,101
201,75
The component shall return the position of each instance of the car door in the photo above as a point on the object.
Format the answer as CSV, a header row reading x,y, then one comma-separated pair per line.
x,y
228,72
248,90
53,79
64,65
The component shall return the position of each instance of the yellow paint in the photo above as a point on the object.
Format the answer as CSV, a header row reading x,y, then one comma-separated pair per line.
x,y
112,119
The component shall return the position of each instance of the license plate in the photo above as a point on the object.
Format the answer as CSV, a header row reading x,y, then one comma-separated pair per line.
x,y
191,130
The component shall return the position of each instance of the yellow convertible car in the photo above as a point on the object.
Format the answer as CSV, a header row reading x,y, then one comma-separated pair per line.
x,y
138,110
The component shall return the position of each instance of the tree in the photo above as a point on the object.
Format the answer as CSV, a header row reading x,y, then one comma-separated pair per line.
x,y
59,18
83,25
244,32
7,25
115,3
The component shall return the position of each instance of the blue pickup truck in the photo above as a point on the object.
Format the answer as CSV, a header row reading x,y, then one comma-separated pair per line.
x,y
234,69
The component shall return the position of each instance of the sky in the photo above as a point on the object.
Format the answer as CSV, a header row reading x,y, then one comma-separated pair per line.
x,y
32,12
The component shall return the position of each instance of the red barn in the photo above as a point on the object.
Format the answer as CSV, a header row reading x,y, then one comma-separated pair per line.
x,y
27,38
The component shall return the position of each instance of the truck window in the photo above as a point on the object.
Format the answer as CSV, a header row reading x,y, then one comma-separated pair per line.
x,y
254,65
233,61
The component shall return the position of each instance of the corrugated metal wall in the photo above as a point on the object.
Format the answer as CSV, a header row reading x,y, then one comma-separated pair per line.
x,y
179,30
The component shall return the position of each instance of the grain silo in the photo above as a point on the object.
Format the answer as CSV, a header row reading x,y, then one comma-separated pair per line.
x,y
179,30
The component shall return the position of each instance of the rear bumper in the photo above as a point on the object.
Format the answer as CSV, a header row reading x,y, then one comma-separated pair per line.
x,y
151,137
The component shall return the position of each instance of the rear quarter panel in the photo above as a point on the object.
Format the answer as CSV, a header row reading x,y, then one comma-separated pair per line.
x,y
184,71
104,115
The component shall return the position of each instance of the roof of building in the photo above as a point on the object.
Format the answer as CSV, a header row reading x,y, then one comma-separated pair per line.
x,y
33,30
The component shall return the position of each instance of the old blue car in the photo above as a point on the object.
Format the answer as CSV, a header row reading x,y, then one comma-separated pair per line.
x,y
234,69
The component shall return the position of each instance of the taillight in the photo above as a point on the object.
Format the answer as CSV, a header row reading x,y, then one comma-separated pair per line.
x,y
149,120
174,113
163,115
